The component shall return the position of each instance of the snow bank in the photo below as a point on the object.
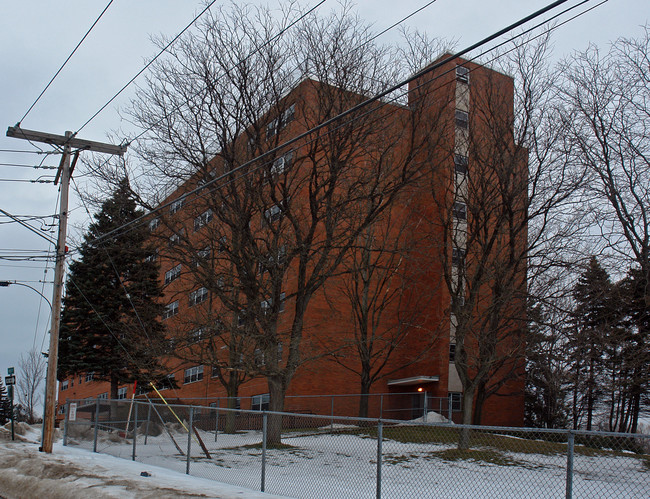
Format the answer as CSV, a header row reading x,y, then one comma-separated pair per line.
x,y
71,473
432,417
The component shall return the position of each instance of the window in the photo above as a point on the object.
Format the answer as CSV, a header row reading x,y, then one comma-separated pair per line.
x,y
223,243
152,257
103,396
260,402
288,115
121,393
259,357
62,409
281,164
455,401
460,211
273,214
452,352
65,385
271,129
266,305
202,219
193,374
460,164
462,74
175,238
173,274
177,205
462,119
154,224
89,377
196,335
457,257
167,383
170,310
204,254
198,296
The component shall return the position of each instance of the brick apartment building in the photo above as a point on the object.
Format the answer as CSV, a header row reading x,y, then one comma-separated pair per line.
x,y
389,298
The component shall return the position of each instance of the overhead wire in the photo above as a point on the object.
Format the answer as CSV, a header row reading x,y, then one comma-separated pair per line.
x,y
64,63
377,97
348,112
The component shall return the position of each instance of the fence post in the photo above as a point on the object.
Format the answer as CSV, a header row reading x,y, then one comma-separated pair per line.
x,y
216,423
135,428
332,414
189,441
66,422
146,431
381,405
264,433
450,408
426,404
380,437
96,425
569,465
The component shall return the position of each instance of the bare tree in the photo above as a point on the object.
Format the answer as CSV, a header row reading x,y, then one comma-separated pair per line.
x,y
30,380
606,110
278,221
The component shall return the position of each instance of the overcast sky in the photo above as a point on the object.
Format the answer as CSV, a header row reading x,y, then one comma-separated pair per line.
x,y
36,36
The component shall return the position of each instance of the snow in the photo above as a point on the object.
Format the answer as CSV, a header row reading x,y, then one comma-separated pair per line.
x,y
316,463
74,473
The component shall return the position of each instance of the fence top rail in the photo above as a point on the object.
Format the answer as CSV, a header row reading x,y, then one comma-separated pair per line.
x,y
400,422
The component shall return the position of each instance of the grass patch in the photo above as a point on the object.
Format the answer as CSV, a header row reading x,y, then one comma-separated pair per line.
x,y
490,456
268,446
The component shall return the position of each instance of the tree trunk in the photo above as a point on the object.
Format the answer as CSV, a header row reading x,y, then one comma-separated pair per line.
x,y
365,390
478,404
231,416
276,404
468,403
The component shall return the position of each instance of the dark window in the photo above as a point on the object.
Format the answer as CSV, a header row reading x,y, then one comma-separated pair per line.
x,y
452,352
203,219
457,257
193,374
176,205
462,119
173,274
154,224
462,74
460,164
170,310
198,296
121,393
460,211
260,402
455,401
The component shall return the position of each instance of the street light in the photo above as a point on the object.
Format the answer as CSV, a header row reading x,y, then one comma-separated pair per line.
x,y
4,284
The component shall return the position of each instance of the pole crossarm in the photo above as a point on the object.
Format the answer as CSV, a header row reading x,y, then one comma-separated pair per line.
x,y
61,140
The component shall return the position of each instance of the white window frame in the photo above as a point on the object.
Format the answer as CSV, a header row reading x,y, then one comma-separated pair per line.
x,y
193,374
198,296
460,210
173,274
260,402
89,377
461,162
170,310
121,393
281,164
176,205
154,224
65,384
203,219
103,396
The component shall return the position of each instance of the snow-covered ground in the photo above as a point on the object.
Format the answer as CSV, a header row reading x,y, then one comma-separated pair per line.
x,y
343,464
75,473
313,464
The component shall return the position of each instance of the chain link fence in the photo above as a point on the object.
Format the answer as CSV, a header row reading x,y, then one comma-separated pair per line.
x,y
307,455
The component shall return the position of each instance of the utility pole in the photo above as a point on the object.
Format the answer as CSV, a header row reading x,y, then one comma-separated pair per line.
x,y
64,173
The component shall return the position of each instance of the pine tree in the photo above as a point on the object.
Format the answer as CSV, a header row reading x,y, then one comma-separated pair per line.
x,y
593,318
111,318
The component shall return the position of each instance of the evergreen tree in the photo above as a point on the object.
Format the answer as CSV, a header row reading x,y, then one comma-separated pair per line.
x,y
111,318
593,318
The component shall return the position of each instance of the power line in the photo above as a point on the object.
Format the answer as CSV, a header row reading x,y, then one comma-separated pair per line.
x,y
27,226
350,111
28,152
64,63
144,68
280,33
19,165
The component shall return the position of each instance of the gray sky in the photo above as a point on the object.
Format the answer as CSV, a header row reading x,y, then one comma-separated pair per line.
x,y
37,35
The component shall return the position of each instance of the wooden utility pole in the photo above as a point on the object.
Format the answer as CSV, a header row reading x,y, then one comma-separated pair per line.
x,y
68,142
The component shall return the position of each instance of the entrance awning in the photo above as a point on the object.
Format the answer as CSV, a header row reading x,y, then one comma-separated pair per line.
x,y
414,380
